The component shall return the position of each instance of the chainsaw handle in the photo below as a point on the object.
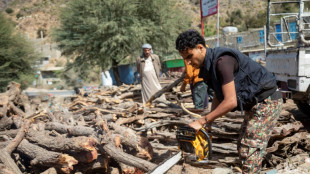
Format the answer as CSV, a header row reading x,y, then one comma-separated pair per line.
x,y
209,143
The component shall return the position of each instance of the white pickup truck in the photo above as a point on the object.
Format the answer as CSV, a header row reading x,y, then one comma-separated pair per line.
x,y
288,56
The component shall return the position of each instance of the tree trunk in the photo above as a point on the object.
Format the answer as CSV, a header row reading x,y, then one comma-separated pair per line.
x,y
117,76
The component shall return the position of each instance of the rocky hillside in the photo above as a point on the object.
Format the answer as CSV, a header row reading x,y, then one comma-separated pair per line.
x,y
33,16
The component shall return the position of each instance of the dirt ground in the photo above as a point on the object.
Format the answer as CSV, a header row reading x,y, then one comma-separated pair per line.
x,y
289,108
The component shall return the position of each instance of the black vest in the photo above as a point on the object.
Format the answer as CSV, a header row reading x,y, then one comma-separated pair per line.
x,y
253,82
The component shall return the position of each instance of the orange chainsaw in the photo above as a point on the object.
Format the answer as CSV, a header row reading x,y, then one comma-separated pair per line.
x,y
195,147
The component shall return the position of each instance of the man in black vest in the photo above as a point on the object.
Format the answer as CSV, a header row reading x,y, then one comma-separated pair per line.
x,y
239,83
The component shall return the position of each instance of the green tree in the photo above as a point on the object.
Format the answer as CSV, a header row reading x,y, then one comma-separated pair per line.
x,y
104,33
16,56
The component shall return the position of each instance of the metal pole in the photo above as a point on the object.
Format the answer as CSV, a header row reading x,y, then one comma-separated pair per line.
x,y
265,42
201,18
218,24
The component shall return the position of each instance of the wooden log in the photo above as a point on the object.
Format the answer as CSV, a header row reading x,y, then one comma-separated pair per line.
x,y
40,156
27,106
5,122
164,89
101,164
6,159
61,144
162,123
130,138
163,136
5,154
128,159
168,110
51,170
16,110
95,108
11,133
4,101
13,91
121,121
5,170
19,137
71,130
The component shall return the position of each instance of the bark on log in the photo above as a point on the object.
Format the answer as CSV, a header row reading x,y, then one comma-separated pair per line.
x,y
13,91
16,110
61,144
27,106
71,130
95,108
164,89
5,170
19,137
121,121
130,137
5,122
5,154
4,100
162,123
125,158
40,156
6,159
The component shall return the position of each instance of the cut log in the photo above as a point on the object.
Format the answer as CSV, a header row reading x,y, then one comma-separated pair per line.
x,y
125,158
61,144
130,138
40,156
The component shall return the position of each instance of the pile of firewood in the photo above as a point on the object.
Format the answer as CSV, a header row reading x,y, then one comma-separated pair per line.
x,y
109,128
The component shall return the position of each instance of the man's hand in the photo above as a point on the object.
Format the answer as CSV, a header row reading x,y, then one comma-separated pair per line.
x,y
183,86
197,125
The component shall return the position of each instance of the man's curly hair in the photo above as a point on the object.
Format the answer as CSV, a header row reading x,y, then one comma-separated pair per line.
x,y
189,39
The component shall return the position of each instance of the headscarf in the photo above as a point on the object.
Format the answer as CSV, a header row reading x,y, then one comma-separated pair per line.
x,y
146,46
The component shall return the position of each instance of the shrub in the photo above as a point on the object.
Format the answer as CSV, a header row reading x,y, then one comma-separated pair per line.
x,y
9,10
19,15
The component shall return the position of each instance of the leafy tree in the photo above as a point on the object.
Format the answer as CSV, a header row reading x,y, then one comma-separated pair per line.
x,y
16,56
105,32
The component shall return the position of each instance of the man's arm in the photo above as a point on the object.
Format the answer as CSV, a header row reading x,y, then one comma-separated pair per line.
x,y
219,109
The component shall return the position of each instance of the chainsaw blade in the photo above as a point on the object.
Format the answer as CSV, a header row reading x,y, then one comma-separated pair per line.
x,y
166,165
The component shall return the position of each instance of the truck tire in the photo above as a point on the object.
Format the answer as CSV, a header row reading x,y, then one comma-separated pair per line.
x,y
303,106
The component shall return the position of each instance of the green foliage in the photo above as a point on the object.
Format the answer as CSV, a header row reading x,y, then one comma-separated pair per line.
x,y
234,18
209,31
9,10
257,20
16,56
102,33
19,15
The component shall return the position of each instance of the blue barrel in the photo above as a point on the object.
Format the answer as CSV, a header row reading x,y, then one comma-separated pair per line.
x,y
126,74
